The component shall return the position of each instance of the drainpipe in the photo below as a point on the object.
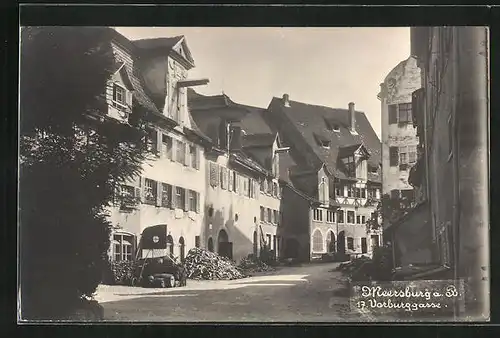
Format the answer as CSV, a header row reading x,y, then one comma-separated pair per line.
x,y
472,120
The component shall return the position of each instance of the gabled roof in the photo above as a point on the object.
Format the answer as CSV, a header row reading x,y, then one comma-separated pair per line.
x,y
310,119
165,43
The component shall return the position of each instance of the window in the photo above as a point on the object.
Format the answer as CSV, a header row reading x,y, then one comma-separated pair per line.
x,y
246,187
235,181
350,243
151,141
214,174
262,214
349,165
166,146
275,189
223,177
275,217
393,156
180,197
269,215
123,245
405,115
318,215
340,216
339,190
336,127
350,191
361,169
330,216
317,241
350,217
269,187
193,201
357,192
127,196
325,144
363,193
412,154
166,195
194,157
358,219
119,94
393,114
363,219
181,152
364,245
403,155
150,191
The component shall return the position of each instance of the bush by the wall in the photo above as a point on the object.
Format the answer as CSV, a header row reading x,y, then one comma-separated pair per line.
x,y
119,273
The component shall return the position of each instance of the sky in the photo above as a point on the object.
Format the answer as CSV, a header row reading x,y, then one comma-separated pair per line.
x,y
322,66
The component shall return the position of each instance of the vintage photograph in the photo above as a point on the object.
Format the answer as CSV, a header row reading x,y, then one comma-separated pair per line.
x,y
253,174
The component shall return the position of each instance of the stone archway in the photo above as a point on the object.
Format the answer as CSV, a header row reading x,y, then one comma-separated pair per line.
x,y
182,249
224,247
341,243
330,242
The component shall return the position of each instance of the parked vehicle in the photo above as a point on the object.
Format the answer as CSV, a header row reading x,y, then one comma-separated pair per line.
x,y
160,271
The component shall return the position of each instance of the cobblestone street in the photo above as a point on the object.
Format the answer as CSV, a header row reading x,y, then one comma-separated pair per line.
x,y
306,293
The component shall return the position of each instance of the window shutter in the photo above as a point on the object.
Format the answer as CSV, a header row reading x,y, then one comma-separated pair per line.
x,y
278,194
256,189
237,181
217,174
230,180
198,155
187,154
198,202
142,185
158,193
213,174
173,201
174,150
129,97
187,193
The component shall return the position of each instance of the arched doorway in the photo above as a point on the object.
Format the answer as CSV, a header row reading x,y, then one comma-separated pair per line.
x,y
255,245
170,245
182,248
330,242
341,242
291,248
224,247
210,245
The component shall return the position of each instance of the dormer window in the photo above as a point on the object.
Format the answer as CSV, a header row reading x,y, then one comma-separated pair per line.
x,y
336,127
119,96
349,165
325,144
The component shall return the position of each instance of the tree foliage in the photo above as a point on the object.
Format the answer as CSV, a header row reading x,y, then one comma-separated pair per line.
x,y
70,165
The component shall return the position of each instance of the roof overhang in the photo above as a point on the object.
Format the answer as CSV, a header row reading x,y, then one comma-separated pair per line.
x,y
192,83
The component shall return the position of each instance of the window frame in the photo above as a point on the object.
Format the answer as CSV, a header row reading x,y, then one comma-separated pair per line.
x,y
193,200
150,190
318,215
180,197
353,217
318,243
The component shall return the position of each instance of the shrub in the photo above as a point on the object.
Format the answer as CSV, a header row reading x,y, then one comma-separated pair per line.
x,y
119,272
382,263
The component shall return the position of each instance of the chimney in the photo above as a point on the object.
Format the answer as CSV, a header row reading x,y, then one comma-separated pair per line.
x,y
352,117
286,100
235,138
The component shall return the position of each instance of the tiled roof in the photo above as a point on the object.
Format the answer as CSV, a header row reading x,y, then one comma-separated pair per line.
x,y
311,119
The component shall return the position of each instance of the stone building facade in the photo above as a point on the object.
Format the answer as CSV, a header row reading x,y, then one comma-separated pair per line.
x,y
399,137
